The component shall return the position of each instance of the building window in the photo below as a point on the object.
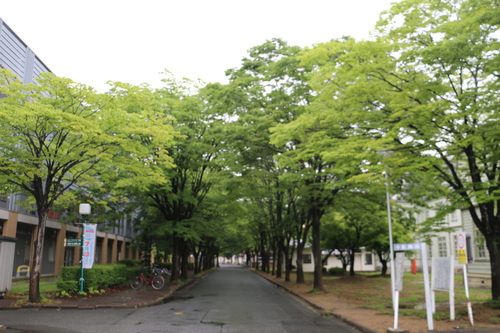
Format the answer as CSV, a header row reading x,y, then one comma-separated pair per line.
x,y
429,250
368,259
442,249
51,251
307,259
480,247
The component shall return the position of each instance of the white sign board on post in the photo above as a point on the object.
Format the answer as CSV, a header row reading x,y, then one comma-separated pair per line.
x,y
463,259
461,248
425,270
89,245
443,279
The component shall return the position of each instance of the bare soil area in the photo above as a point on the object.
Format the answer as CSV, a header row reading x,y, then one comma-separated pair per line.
x,y
366,300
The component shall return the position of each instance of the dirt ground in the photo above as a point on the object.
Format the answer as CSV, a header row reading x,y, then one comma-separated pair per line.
x,y
355,298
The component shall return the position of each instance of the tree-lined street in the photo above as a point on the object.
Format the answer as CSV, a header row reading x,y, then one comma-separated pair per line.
x,y
230,299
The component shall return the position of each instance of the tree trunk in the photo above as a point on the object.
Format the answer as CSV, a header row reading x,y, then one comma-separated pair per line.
x,y
383,261
175,258
273,264
351,259
300,268
248,257
494,250
36,262
316,248
278,262
184,262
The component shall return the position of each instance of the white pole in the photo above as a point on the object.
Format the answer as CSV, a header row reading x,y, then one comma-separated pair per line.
x,y
391,247
466,285
427,287
452,288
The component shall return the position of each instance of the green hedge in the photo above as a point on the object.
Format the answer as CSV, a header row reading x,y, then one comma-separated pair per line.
x,y
130,262
336,270
98,277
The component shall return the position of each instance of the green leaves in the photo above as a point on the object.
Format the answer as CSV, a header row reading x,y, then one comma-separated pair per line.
x,y
65,133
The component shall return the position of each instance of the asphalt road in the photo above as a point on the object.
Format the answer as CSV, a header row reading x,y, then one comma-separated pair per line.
x,y
230,299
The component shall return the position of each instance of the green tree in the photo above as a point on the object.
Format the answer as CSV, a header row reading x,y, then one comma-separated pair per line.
x,y
267,89
196,165
428,89
58,134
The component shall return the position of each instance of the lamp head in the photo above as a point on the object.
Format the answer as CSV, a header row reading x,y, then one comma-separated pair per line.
x,y
85,209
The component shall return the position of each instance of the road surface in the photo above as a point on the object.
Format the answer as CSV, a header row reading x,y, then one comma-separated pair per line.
x,y
230,299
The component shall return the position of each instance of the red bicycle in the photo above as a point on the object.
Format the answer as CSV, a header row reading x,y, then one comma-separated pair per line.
x,y
156,281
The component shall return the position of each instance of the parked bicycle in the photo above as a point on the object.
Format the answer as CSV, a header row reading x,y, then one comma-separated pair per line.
x,y
156,281
161,271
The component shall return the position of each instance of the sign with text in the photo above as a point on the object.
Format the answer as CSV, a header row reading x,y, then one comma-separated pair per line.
x,y
89,239
72,242
407,247
462,247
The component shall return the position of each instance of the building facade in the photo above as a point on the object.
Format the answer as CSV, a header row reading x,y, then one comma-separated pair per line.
x,y
443,243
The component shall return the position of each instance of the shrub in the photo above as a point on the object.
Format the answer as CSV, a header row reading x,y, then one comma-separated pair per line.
x,y
336,270
68,286
98,277
129,262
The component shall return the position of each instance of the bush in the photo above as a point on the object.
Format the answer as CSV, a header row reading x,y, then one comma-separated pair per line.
x,y
129,262
98,277
336,270
68,286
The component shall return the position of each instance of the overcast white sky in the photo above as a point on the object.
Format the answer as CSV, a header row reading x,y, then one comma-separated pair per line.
x,y
94,41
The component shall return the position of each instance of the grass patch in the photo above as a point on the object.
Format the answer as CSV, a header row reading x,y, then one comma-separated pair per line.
x,y
45,287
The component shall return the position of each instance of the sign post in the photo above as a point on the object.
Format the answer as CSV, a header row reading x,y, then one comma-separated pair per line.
x,y
463,259
425,269
84,210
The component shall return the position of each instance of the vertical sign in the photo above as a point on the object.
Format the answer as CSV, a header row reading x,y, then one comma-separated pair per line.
x,y
89,245
461,248
400,269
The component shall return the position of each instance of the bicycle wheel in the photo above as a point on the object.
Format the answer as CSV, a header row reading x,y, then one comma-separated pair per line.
x,y
157,282
136,282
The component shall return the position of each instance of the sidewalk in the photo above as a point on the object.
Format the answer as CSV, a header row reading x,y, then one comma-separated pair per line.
x,y
128,298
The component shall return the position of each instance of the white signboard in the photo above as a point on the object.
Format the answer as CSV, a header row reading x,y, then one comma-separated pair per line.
x,y
88,248
407,247
400,270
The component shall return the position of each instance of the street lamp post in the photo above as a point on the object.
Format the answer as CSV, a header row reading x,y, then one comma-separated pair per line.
x,y
391,245
84,211
388,153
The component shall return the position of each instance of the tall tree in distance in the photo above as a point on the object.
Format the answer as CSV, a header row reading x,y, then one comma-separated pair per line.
x,y
195,157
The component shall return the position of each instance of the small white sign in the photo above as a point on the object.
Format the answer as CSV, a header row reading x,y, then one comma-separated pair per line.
x,y
407,247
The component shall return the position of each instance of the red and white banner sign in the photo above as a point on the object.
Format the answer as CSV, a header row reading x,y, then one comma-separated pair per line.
x,y
88,248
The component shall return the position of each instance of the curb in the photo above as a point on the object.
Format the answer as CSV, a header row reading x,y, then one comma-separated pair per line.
x,y
319,308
